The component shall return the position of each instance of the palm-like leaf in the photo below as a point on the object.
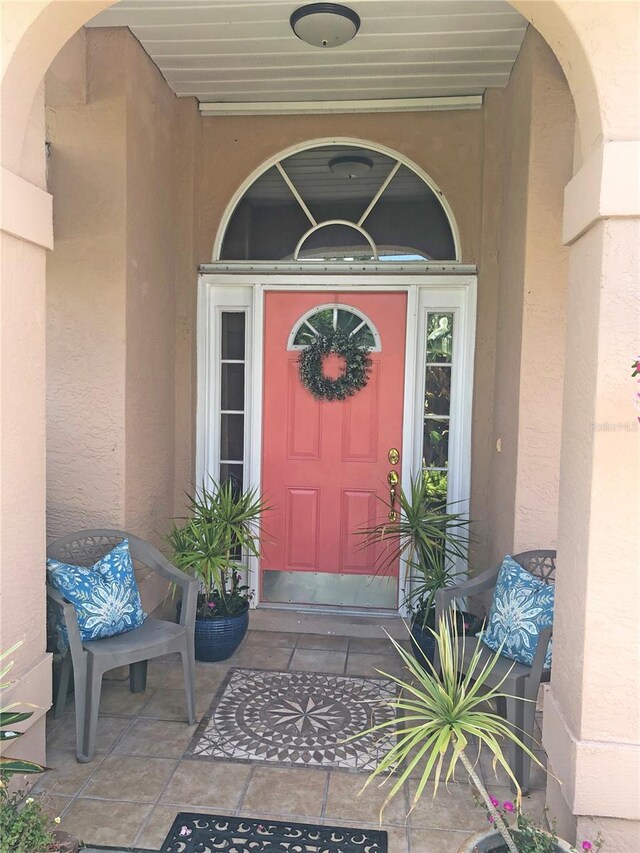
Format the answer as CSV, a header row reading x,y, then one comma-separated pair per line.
x,y
439,714
431,539
10,766
223,526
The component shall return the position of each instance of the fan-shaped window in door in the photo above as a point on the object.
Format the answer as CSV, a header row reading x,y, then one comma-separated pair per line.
x,y
340,203
327,318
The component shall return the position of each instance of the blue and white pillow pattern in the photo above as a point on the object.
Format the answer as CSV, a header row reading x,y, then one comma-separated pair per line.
x,y
105,596
522,606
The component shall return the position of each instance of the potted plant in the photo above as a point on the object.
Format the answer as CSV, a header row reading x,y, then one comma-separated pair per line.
x,y
222,529
24,825
439,713
433,542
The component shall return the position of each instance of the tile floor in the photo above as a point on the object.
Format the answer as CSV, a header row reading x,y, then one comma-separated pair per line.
x,y
138,781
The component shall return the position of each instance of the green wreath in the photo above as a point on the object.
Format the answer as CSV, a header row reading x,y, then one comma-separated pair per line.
x,y
350,382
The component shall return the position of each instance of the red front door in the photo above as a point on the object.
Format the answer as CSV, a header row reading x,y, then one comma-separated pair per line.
x,y
325,463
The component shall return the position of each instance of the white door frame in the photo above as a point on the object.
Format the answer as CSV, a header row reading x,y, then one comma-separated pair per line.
x,y
219,292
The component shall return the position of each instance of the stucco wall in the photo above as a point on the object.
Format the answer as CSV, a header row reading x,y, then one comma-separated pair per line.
x,y
170,175
447,145
537,159
120,246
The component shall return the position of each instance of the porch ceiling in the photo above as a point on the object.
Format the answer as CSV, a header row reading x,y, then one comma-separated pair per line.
x,y
240,51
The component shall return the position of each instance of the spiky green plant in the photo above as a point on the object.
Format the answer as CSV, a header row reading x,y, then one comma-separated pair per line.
x,y
223,527
8,717
432,540
439,711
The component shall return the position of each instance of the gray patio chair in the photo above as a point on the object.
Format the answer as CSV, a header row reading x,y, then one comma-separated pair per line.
x,y
90,660
521,681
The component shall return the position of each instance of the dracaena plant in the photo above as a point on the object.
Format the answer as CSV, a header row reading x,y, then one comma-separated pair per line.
x,y
440,711
433,542
8,719
223,527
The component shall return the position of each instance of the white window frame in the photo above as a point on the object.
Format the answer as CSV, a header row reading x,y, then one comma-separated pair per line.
x,y
219,292
306,317
348,141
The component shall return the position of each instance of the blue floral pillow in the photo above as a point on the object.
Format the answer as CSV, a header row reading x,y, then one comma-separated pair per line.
x,y
522,606
105,596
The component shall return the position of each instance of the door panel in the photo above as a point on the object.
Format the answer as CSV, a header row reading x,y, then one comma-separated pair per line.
x,y
325,463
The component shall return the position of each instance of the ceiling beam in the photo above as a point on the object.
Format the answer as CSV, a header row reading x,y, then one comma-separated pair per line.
x,y
386,105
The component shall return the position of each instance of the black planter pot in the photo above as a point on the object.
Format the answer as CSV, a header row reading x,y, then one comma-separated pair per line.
x,y
217,639
423,643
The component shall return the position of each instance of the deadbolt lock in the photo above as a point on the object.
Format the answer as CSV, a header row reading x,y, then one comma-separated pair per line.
x,y
393,456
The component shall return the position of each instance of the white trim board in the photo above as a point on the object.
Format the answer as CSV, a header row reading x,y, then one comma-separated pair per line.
x,y
379,105
227,291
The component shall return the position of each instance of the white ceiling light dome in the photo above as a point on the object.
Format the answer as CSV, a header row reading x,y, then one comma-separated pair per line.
x,y
350,166
325,24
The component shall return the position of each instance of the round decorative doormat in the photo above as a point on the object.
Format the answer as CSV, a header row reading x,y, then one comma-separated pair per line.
x,y
297,718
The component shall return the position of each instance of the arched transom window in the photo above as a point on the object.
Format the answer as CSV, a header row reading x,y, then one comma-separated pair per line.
x,y
340,203
326,318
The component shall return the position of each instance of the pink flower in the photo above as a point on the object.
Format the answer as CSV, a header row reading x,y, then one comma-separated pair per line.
x,y
508,806
210,605
185,831
587,845
490,818
495,803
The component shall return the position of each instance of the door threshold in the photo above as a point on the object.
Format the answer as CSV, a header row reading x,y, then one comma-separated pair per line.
x,y
341,622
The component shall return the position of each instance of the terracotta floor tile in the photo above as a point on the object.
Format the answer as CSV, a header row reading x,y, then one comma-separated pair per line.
x,y
436,840
63,738
281,791
122,777
160,738
165,674
161,819
116,699
372,665
532,803
346,803
315,660
453,808
53,805
328,642
262,657
97,822
66,776
366,646
207,783
172,705
397,836
499,776
281,639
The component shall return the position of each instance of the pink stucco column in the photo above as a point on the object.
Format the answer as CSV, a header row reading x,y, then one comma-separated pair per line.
x,y
592,713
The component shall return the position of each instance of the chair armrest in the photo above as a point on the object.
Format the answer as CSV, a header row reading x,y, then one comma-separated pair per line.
x,y
537,667
480,583
157,562
70,623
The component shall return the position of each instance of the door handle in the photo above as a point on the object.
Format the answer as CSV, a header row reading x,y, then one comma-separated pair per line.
x,y
392,479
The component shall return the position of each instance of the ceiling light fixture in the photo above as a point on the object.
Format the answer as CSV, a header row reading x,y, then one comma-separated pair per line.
x,y
351,167
325,24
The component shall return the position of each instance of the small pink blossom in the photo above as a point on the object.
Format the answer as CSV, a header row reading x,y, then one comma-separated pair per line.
x,y
210,605
587,845
508,806
185,831
490,818
495,803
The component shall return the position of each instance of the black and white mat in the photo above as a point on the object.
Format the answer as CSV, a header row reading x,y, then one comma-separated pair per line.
x,y
196,833
299,719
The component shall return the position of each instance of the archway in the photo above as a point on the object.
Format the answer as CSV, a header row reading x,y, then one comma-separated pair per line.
x,y
601,221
